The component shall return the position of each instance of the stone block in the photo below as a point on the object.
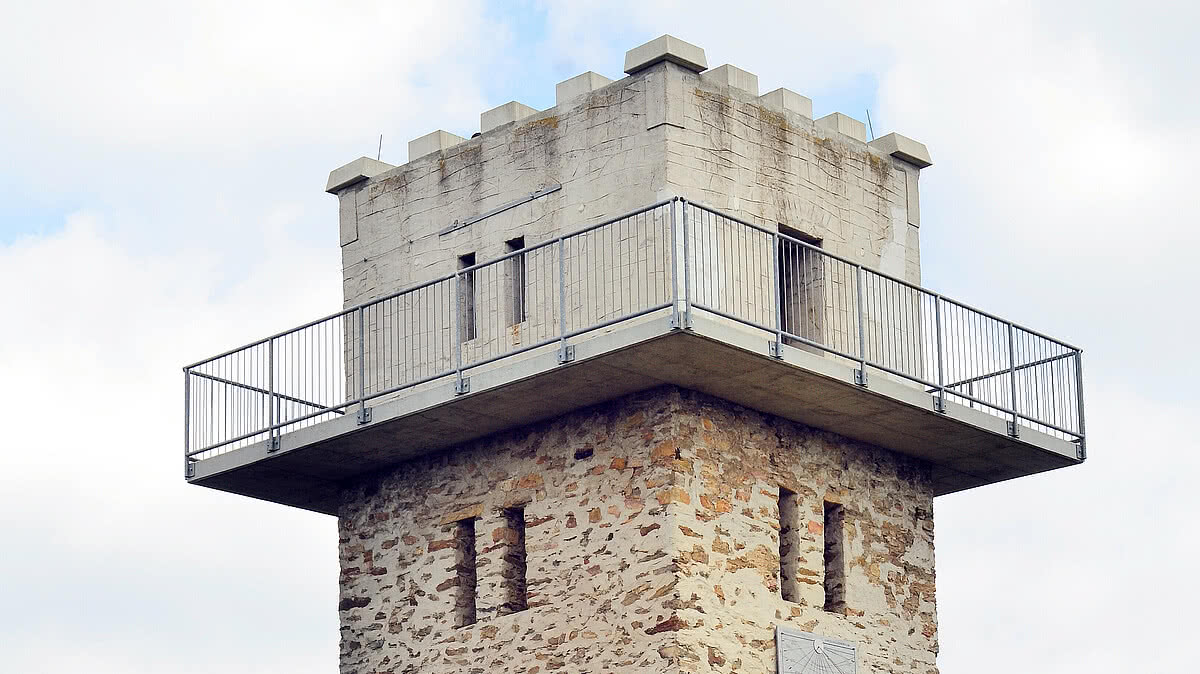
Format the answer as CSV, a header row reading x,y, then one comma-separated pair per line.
x,y
733,77
844,125
356,171
504,114
569,90
665,48
903,148
432,142
786,100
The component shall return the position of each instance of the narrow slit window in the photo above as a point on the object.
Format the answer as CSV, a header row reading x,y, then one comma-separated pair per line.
x,y
466,298
801,302
515,571
789,544
464,546
835,558
516,280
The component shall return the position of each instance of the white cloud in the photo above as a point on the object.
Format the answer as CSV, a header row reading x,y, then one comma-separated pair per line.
x,y
197,138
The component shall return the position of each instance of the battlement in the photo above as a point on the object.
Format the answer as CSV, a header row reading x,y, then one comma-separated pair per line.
x,y
671,127
666,49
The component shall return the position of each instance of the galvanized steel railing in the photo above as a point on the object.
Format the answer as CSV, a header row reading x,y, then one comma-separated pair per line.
x,y
673,254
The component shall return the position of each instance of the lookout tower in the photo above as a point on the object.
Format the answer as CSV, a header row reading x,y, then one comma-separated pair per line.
x,y
645,382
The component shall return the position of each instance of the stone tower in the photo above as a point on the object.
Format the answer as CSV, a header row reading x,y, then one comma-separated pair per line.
x,y
645,382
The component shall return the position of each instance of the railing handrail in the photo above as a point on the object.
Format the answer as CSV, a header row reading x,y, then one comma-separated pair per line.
x,y
677,238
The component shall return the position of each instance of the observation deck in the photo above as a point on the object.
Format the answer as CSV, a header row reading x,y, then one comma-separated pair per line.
x,y
676,294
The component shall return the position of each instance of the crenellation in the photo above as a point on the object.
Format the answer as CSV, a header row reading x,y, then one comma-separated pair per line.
x,y
785,101
567,91
845,125
437,141
507,113
732,77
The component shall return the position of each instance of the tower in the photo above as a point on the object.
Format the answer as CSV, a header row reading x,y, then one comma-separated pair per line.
x,y
643,382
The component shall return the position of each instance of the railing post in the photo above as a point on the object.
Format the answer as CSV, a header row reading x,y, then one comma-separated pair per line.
x,y
188,464
675,323
860,377
687,280
1081,448
1012,380
364,414
272,414
566,353
460,385
777,345
939,405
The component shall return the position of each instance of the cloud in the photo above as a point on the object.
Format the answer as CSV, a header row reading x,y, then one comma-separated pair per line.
x,y
197,139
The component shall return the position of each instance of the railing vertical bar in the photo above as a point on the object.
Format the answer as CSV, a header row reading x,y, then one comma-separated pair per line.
x,y
562,298
1079,404
674,268
941,378
1012,378
779,299
456,330
187,421
687,285
362,364
862,347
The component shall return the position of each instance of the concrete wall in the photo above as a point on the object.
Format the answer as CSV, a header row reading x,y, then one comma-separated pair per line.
x,y
652,545
666,130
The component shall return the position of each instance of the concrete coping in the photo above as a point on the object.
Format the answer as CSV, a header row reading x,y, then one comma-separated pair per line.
x,y
903,148
504,114
844,124
786,100
733,77
665,48
432,142
356,171
569,90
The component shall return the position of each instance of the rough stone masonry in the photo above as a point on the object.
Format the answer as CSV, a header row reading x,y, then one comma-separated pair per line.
x,y
652,544
666,531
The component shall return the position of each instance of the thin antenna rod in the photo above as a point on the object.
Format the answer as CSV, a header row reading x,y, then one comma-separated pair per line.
x,y
379,152
869,126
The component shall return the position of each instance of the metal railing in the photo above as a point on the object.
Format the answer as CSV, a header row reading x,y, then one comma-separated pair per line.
x,y
674,254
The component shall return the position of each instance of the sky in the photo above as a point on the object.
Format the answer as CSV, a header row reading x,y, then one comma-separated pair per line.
x,y
161,200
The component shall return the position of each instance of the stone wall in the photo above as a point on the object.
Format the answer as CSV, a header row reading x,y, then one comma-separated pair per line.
x,y
652,545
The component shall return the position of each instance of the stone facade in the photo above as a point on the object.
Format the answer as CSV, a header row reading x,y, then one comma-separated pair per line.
x,y
651,543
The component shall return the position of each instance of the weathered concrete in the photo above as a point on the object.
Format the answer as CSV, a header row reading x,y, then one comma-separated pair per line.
x,y
904,148
430,143
733,77
786,101
504,114
355,172
567,91
665,48
652,544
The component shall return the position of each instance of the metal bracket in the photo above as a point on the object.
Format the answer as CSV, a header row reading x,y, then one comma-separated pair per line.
x,y
1013,430
860,377
189,469
1080,451
462,385
675,322
566,353
775,349
939,404
273,446
364,416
